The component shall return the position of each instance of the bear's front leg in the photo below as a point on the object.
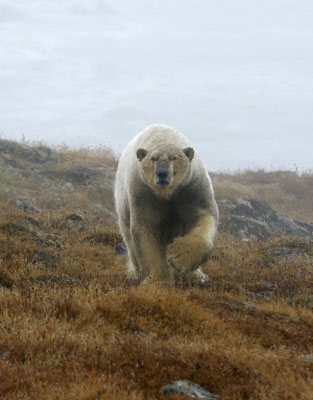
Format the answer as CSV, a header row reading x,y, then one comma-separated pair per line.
x,y
186,253
151,257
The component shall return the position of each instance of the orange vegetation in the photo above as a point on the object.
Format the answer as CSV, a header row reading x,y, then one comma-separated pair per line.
x,y
73,327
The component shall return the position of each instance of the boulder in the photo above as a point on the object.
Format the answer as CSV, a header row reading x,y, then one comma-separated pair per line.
x,y
13,152
251,218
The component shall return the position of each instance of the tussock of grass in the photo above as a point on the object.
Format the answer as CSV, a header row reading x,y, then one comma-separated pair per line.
x,y
88,157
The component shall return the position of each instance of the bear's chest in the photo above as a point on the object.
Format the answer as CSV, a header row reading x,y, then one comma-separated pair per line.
x,y
175,220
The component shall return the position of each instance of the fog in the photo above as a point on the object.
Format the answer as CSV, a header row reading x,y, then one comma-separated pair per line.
x,y
235,77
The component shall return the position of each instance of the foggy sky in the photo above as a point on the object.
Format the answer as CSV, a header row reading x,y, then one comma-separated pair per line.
x,y
236,77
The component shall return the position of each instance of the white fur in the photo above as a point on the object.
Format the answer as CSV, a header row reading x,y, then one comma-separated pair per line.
x,y
128,185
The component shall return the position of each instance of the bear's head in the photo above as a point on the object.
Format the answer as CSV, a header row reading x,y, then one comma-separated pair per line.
x,y
164,168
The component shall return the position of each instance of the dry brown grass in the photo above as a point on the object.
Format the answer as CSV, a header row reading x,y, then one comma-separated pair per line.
x,y
88,157
77,329
73,327
51,184
289,193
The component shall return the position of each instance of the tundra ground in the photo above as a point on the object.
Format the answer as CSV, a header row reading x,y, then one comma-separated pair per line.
x,y
73,327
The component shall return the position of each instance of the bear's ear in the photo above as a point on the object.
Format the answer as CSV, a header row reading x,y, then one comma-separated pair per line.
x,y
189,151
141,154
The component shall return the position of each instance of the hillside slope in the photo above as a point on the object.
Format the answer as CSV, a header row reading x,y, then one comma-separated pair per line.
x,y
73,327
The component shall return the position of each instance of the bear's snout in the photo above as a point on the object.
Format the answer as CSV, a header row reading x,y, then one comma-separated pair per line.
x,y
162,175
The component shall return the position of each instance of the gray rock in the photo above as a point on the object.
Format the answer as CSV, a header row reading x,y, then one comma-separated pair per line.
x,y
45,225
75,218
79,175
26,206
9,193
254,219
287,226
246,227
74,221
188,389
45,149
121,249
12,152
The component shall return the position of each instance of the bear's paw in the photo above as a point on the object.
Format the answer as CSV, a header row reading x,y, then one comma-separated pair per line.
x,y
183,255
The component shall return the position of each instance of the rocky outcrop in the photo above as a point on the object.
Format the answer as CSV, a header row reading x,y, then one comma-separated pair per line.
x,y
13,153
30,173
251,218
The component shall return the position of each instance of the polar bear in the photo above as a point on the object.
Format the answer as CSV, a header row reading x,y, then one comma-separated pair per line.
x,y
165,204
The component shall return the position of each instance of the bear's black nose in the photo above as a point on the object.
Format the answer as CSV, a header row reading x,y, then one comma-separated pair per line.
x,y
162,174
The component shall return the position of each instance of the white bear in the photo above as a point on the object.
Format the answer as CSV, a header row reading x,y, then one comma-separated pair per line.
x,y
165,204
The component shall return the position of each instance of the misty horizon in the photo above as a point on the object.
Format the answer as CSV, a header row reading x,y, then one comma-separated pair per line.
x,y
236,79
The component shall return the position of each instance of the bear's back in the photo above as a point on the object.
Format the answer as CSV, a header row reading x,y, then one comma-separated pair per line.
x,y
158,135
